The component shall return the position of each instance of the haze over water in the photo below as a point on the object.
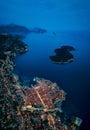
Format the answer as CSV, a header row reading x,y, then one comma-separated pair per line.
x,y
70,21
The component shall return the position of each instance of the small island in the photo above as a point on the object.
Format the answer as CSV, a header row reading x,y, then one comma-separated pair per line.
x,y
63,55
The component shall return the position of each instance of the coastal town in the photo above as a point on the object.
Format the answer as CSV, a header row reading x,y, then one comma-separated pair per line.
x,y
48,94
35,107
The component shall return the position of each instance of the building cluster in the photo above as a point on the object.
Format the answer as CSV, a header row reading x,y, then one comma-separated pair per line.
x,y
45,93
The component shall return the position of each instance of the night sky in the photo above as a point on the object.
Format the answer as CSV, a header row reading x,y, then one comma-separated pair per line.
x,y
49,14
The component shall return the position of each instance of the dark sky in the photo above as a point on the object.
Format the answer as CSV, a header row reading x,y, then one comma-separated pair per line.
x,y
50,14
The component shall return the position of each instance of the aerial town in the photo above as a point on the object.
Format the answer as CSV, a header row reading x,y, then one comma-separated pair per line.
x,y
37,107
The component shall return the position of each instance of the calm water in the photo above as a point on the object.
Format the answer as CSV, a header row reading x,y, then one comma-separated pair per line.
x,y
74,77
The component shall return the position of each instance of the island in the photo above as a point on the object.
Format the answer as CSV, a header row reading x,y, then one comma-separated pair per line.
x,y
63,55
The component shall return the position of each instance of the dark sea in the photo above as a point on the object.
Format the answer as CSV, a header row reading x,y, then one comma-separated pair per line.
x,y
73,78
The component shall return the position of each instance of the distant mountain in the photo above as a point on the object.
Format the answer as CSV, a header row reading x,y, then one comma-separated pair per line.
x,y
14,29
19,30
